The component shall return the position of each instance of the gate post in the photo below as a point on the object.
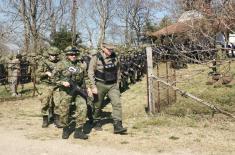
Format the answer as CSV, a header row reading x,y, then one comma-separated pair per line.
x,y
151,104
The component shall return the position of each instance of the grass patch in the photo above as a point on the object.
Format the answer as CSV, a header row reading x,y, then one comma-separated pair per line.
x,y
222,96
165,121
24,90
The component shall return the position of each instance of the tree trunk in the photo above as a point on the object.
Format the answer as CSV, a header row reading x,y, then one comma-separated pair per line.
x,y
52,20
33,13
102,33
23,15
74,13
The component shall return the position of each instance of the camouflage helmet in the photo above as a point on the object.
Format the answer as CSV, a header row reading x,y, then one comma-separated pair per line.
x,y
11,56
18,56
24,54
108,46
53,51
32,54
71,50
92,52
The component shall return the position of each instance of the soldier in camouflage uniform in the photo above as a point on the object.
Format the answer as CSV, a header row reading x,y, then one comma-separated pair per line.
x,y
2,70
33,64
46,73
24,69
14,74
71,93
104,75
123,85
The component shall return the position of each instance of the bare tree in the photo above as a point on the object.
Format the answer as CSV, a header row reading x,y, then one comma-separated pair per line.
x,y
104,8
74,23
134,16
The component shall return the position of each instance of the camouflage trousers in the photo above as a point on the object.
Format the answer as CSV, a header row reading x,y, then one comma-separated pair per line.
x,y
72,107
113,92
47,100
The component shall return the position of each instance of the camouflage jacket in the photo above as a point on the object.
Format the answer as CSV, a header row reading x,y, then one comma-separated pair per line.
x,y
46,66
72,72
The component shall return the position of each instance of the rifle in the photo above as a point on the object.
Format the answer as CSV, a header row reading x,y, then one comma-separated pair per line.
x,y
77,90
73,85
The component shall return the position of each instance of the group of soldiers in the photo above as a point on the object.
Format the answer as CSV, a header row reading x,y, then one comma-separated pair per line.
x,y
15,70
72,86
132,68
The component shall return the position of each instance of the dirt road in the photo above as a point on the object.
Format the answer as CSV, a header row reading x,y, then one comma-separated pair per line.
x,y
21,132
13,143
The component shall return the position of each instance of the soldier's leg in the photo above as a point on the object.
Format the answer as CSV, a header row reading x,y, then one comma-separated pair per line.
x,y
126,83
44,111
114,95
90,108
45,98
51,110
13,83
17,78
62,101
80,117
57,108
132,78
102,91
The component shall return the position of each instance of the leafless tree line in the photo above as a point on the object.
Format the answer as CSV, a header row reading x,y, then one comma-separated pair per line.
x,y
118,21
218,16
100,20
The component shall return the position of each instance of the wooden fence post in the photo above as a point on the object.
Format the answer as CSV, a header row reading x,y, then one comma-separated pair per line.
x,y
151,104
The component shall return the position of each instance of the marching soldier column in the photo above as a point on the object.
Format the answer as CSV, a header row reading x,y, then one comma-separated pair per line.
x,y
72,87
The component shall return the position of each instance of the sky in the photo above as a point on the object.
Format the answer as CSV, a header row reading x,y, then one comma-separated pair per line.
x,y
84,34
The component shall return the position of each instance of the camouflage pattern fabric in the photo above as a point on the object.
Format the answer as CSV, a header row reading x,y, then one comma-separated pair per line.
x,y
47,86
72,105
13,75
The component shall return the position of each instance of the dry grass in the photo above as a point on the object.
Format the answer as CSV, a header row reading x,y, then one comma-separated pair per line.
x,y
25,89
183,128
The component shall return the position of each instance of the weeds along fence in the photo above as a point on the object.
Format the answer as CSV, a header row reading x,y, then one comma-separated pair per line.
x,y
24,79
203,83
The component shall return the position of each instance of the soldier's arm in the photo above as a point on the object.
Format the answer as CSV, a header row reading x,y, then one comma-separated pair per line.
x,y
59,73
91,72
86,79
40,71
118,72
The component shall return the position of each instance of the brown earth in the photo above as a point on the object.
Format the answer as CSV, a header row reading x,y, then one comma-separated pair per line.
x,y
21,132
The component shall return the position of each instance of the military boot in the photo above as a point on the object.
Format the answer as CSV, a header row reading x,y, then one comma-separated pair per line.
x,y
45,122
97,126
78,133
118,128
96,120
66,132
57,122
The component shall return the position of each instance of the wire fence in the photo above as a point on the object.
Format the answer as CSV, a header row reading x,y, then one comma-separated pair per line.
x,y
163,95
196,75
